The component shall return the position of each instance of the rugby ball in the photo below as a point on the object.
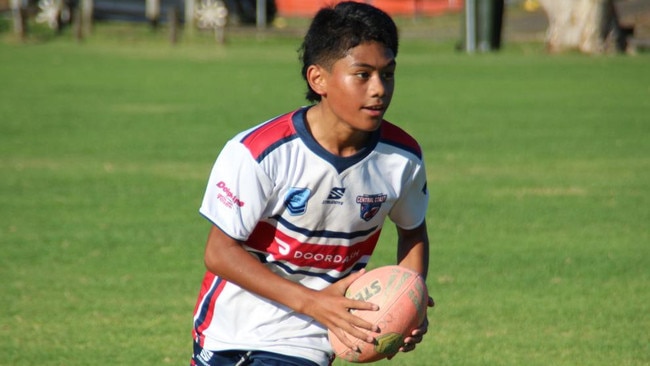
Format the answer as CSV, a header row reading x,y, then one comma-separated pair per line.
x,y
402,297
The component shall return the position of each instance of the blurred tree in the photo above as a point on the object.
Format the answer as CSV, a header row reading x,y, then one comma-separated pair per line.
x,y
590,26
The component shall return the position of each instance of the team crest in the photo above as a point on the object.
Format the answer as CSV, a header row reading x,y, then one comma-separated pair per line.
x,y
370,205
296,200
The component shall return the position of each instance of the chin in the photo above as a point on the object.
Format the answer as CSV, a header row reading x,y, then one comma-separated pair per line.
x,y
370,126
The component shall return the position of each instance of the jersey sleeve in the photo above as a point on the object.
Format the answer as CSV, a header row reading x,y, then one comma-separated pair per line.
x,y
410,209
237,192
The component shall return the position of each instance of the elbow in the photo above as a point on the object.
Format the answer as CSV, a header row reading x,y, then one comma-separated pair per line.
x,y
212,262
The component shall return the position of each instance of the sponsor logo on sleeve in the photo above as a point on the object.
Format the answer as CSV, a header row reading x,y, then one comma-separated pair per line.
x,y
227,197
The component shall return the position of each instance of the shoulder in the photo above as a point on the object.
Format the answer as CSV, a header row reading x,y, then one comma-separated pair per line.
x,y
395,136
263,138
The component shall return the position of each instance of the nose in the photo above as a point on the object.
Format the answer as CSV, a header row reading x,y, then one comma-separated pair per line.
x,y
377,86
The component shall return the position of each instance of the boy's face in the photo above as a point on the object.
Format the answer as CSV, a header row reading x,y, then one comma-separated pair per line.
x,y
360,86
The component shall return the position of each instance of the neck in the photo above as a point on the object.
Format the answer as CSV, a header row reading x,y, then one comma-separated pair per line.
x,y
333,135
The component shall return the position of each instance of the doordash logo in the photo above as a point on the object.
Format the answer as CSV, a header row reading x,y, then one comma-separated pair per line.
x,y
226,196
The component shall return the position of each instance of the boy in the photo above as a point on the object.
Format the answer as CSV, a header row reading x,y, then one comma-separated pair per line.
x,y
297,205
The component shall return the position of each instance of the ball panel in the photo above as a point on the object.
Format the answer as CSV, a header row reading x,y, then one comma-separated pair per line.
x,y
402,297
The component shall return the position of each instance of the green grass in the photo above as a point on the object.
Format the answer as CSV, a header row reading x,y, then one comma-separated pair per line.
x,y
539,169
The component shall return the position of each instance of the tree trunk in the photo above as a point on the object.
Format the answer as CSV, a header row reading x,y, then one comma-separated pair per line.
x,y
590,26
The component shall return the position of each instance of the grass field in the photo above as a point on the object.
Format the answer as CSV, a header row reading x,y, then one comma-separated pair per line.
x,y
539,169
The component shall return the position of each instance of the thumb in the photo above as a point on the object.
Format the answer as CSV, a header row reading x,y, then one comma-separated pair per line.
x,y
343,284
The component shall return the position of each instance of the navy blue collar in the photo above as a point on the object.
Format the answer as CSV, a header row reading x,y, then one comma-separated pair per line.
x,y
338,162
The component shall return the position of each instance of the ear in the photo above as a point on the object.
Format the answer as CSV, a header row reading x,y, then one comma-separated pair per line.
x,y
317,79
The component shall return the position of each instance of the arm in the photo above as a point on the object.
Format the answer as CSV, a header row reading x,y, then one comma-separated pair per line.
x,y
413,253
226,258
413,249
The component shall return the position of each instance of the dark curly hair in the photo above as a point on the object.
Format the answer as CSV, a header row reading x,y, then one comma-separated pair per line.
x,y
335,30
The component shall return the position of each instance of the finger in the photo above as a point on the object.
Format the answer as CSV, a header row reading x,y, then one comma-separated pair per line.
x,y
413,340
355,327
350,336
347,341
424,327
360,326
342,285
361,305
419,332
407,347
352,277
356,320
431,303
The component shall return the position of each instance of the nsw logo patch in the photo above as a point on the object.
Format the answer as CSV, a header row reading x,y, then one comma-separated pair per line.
x,y
296,200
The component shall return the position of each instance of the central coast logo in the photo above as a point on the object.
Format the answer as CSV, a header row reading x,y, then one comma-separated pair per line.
x,y
370,204
296,200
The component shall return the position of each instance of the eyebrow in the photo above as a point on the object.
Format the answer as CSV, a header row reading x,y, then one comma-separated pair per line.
x,y
393,62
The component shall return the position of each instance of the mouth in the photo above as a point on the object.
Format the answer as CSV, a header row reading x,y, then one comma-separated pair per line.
x,y
376,109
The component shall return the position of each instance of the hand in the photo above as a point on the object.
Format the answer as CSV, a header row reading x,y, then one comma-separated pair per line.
x,y
332,309
417,334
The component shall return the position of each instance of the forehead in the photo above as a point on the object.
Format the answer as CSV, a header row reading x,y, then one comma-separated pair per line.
x,y
371,54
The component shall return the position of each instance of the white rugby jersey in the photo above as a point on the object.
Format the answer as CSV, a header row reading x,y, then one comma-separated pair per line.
x,y
308,215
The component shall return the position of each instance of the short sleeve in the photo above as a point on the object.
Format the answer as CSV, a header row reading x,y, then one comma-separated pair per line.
x,y
236,193
410,209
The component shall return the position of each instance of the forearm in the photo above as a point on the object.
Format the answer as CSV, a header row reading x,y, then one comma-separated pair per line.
x,y
413,249
227,259
232,262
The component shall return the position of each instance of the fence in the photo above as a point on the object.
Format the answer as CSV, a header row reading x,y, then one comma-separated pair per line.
x,y
296,8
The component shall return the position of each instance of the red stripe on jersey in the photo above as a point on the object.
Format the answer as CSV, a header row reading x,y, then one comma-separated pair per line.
x,y
394,135
205,304
283,247
269,134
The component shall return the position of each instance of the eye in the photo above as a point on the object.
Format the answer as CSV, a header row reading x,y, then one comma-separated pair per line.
x,y
363,74
388,75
